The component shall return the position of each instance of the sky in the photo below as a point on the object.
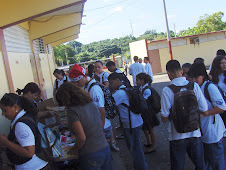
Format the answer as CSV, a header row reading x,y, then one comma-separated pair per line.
x,y
108,19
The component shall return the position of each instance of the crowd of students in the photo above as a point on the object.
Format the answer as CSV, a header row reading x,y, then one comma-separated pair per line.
x,y
86,96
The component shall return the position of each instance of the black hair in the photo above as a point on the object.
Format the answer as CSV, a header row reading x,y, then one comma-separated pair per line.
x,y
221,52
58,71
135,58
146,58
98,61
114,76
110,63
199,60
198,69
10,99
173,66
216,70
146,77
90,70
186,65
30,87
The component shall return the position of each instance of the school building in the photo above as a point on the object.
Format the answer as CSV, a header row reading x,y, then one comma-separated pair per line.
x,y
28,32
184,49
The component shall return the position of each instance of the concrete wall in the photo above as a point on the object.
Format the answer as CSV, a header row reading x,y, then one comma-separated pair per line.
x,y
139,49
185,52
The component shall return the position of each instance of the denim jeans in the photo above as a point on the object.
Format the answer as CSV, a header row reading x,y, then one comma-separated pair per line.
x,y
100,160
132,139
192,146
214,155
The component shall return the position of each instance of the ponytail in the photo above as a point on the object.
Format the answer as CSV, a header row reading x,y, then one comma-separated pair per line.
x,y
30,87
10,99
19,91
146,77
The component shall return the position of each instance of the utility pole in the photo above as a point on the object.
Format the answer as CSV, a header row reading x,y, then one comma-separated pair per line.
x,y
175,34
168,34
131,25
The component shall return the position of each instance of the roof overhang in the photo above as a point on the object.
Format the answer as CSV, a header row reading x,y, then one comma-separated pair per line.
x,y
61,34
64,40
13,12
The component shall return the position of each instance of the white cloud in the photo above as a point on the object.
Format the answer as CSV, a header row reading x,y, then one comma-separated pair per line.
x,y
116,9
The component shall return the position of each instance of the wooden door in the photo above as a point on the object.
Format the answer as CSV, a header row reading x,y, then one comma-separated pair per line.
x,y
155,61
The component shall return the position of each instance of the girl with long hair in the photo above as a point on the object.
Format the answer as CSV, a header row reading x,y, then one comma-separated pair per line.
x,y
85,122
150,119
101,73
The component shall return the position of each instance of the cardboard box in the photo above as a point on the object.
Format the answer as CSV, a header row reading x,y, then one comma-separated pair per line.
x,y
49,102
50,120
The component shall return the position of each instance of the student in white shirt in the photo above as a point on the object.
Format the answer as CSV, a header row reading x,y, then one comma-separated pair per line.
x,y
133,135
180,143
135,69
112,67
21,143
212,124
148,67
60,79
218,74
101,73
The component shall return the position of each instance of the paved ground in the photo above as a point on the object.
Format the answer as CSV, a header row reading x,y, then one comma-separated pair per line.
x,y
160,160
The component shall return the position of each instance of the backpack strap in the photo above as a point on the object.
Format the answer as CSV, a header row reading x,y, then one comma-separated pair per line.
x,y
56,84
95,83
175,89
103,78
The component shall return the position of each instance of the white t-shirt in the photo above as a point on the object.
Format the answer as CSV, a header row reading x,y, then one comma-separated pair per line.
x,y
221,83
25,137
98,97
167,101
149,70
103,77
147,92
120,97
213,132
60,82
135,69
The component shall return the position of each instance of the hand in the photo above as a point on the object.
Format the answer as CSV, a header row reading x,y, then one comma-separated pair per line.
x,y
3,141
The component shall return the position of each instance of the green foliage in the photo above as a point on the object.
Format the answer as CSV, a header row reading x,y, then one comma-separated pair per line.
x,y
75,52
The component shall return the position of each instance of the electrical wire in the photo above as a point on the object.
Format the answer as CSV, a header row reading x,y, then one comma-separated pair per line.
x,y
105,6
110,15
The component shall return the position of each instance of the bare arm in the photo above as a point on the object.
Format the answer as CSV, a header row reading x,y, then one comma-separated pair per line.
x,y
102,116
214,111
27,151
80,137
106,83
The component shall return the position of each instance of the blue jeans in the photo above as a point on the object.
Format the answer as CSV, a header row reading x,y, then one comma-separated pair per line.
x,y
214,155
100,160
134,145
179,148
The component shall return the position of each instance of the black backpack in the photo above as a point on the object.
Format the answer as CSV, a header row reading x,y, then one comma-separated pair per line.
x,y
155,99
111,110
137,102
185,112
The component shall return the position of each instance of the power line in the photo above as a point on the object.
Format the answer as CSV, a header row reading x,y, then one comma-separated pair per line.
x,y
111,15
105,6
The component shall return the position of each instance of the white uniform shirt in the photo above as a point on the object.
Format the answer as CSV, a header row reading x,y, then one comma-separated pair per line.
x,y
25,137
60,82
120,97
98,97
221,83
135,69
103,77
149,70
147,92
167,101
213,132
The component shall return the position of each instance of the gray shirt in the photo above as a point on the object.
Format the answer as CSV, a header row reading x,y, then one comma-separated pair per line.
x,y
89,116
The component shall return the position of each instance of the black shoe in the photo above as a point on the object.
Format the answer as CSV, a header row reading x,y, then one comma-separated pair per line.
x,y
147,145
149,152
